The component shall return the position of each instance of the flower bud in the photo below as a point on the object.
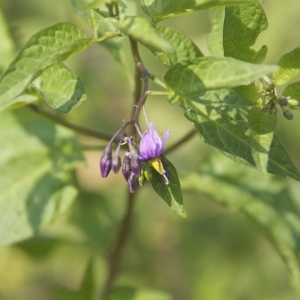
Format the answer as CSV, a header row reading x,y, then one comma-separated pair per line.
x,y
126,167
293,102
133,183
288,115
116,163
105,162
283,101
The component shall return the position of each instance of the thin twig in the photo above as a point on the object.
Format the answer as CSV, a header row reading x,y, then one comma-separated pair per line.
x,y
187,137
77,128
115,257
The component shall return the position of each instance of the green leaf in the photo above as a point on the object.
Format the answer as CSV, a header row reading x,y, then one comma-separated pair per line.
x,y
221,119
289,65
170,193
190,78
183,47
244,23
148,6
7,47
171,8
259,198
293,91
132,293
61,88
84,5
36,178
47,47
142,31
262,126
215,38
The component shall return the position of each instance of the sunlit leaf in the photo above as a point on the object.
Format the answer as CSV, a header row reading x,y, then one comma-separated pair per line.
x,y
215,38
264,200
289,65
170,193
262,126
61,88
183,47
190,78
244,22
142,31
36,181
221,119
171,8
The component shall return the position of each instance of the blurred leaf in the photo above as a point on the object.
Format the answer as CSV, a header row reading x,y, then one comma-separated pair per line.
x,y
293,91
132,293
143,32
183,47
45,48
95,219
148,6
7,47
36,181
61,88
170,193
289,65
191,78
244,23
264,200
83,5
171,8
221,119
262,126
215,38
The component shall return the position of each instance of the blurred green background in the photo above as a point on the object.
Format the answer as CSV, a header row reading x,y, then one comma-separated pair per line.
x,y
213,254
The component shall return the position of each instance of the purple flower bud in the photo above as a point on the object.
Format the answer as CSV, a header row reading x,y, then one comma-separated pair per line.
x,y
133,183
151,145
135,164
116,163
126,167
105,162
288,115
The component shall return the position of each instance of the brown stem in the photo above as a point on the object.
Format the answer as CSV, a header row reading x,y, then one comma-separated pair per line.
x,y
77,128
115,257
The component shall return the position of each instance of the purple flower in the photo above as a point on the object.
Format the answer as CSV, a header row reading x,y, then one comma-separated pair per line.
x,y
152,145
105,162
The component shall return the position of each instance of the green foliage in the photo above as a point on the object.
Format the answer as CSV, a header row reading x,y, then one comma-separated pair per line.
x,y
61,88
191,78
227,96
37,185
170,193
263,200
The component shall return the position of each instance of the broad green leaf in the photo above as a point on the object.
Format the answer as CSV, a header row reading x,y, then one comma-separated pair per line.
x,y
262,126
7,47
215,38
84,5
221,119
49,46
183,47
170,193
289,65
142,31
293,91
148,6
264,200
133,293
190,78
242,25
171,8
61,88
36,180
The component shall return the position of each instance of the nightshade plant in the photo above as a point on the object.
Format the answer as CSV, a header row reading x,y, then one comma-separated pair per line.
x,y
229,96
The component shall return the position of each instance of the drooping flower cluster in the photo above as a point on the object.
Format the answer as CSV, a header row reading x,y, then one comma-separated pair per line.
x,y
151,147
